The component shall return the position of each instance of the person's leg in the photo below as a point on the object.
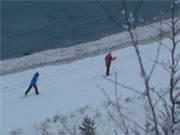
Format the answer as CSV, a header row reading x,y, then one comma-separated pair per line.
x,y
107,69
27,91
36,90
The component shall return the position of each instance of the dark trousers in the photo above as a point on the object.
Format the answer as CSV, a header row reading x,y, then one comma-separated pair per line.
x,y
35,87
107,69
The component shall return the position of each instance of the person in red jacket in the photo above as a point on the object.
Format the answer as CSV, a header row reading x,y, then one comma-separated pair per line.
x,y
108,60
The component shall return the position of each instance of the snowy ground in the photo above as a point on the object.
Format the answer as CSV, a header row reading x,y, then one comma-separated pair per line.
x,y
66,88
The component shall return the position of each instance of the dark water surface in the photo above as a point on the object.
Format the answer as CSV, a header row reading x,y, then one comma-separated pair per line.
x,y
29,27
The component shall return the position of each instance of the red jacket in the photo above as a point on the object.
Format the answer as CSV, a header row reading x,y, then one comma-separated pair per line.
x,y
108,59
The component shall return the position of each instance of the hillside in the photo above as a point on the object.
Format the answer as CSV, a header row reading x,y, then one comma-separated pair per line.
x,y
65,89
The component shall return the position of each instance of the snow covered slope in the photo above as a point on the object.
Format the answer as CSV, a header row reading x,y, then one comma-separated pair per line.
x,y
65,88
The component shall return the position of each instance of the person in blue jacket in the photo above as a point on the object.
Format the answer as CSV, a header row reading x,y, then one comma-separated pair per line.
x,y
33,84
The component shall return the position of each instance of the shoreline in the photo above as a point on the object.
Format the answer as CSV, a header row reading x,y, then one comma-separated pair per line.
x,y
67,55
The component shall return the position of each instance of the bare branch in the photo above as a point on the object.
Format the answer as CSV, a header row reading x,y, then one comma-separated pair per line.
x,y
155,63
146,81
161,98
168,23
175,98
166,46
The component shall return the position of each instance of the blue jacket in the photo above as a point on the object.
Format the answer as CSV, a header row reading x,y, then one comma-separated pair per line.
x,y
34,79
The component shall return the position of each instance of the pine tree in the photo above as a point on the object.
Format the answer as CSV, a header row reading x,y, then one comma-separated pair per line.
x,y
88,126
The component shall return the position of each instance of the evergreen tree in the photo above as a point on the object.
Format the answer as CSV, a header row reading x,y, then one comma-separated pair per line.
x,y
88,126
